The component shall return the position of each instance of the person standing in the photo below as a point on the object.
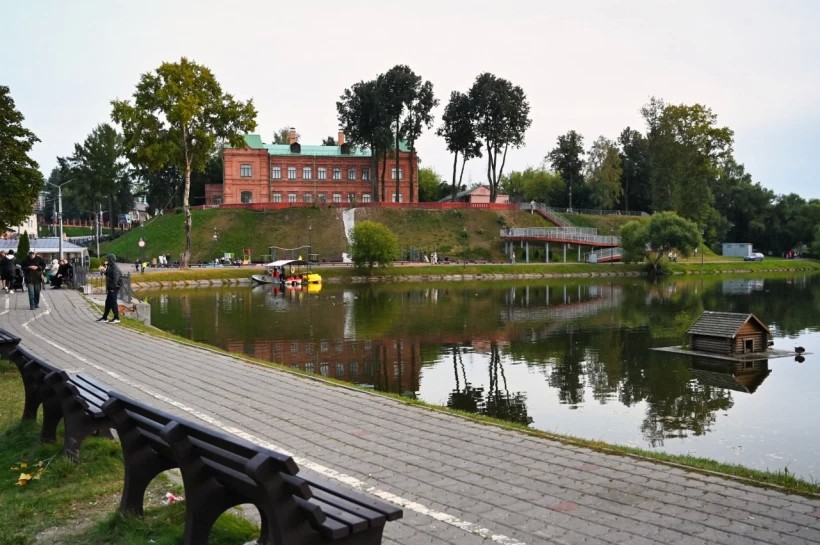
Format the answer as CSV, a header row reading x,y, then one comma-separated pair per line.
x,y
113,283
33,267
7,263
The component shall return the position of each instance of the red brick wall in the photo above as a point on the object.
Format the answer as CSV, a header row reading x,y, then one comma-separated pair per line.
x,y
262,187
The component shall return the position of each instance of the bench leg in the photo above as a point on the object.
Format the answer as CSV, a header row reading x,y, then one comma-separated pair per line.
x,y
141,467
52,414
202,507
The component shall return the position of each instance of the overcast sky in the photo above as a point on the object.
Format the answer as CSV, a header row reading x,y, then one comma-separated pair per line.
x,y
584,65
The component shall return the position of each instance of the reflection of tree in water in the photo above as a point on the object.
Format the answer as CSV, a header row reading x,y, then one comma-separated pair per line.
x,y
691,409
468,399
567,374
499,404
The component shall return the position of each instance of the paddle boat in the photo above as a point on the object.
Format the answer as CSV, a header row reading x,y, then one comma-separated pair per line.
x,y
290,272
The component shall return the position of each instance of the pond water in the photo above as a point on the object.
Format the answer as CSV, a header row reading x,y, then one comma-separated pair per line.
x,y
569,356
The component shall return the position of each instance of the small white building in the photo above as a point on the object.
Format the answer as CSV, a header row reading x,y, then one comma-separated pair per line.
x,y
29,225
737,249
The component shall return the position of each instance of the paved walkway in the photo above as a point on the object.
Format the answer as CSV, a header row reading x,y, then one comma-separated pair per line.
x,y
459,482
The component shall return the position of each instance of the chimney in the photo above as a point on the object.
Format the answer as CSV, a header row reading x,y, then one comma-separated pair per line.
x,y
292,135
341,140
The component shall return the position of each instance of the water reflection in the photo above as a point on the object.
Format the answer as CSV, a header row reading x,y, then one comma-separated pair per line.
x,y
567,356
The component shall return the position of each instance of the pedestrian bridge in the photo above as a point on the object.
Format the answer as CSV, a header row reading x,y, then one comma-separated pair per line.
x,y
566,236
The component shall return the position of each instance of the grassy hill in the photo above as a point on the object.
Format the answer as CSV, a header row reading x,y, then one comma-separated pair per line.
x,y
448,232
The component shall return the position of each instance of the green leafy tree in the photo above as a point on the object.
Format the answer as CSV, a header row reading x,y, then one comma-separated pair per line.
x,y
373,244
366,124
686,148
431,186
635,175
534,184
459,131
329,141
418,118
665,231
23,246
566,159
501,118
19,175
99,174
179,115
603,173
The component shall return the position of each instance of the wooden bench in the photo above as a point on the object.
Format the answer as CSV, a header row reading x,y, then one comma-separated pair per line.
x,y
220,471
8,343
75,399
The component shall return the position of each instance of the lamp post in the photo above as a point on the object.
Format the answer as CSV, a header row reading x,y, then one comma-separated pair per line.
x,y
310,242
141,244
702,245
60,211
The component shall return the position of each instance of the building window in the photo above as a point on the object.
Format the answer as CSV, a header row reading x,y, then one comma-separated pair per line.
x,y
351,198
307,173
337,197
217,200
276,173
365,174
337,173
351,174
245,170
277,197
246,197
291,197
396,198
393,174
365,197
291,173
307,197
322,198
322,173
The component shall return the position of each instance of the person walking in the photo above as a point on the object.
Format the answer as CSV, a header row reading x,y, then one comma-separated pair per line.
x,y
33,267
113,283
7,263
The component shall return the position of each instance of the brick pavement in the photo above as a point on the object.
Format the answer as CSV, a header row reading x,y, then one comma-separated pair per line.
x,y
459,482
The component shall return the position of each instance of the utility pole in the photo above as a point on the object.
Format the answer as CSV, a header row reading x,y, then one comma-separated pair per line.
x,y
60,211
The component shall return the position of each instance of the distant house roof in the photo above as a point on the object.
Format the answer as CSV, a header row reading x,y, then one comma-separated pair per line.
x,y
723,324
254,141
466,192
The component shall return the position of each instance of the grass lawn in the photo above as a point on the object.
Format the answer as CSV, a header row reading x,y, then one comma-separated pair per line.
x,y
76,504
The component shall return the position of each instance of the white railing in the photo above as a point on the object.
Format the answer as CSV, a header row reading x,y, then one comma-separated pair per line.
x,y
580,235
607,254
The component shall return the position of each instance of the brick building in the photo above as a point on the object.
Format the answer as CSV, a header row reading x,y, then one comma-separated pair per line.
x,y
299,175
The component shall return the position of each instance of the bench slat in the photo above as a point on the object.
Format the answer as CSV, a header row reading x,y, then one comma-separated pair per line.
x,y
390,511
351,520
373,518
329,528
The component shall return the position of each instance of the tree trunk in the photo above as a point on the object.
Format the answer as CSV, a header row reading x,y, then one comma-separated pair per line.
x,y
186,257
384,173
455,165
398,178
412,155
374,174
111,213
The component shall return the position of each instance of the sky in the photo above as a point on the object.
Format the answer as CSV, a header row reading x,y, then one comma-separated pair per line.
x,y
587,66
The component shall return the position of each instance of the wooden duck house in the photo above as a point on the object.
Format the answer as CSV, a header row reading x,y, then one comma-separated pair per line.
x,y
728,334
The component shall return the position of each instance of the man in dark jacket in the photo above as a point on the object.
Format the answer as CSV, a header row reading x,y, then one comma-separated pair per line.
x,y
33,267
113,283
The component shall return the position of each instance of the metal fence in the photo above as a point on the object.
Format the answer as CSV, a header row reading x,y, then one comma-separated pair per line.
x,y
94,282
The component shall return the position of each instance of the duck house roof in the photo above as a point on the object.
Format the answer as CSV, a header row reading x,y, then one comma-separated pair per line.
x,y
723,324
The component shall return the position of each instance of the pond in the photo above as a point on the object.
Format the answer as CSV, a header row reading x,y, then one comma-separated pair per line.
x,y
569,356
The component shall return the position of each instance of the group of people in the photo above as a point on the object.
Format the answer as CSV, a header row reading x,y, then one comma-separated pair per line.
x,y
10,271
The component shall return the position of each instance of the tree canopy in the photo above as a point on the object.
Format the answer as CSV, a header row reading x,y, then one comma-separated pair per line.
x,y
665,232
179,115
372,244
566,158
458,130
603,173
19,174
500,114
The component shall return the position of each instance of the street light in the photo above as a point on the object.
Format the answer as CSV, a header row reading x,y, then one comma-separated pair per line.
x,y
141,244
702,245
60,210
310,241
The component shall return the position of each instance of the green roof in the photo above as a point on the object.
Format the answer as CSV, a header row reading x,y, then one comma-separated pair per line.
x,y
254,141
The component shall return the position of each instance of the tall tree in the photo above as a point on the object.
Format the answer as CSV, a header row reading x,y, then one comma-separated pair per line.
x,y
179,114
635,175
458,130
19,175
431,186
566,158
366,124
418,118
99,174
397,87
603,173
686,149
501,117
